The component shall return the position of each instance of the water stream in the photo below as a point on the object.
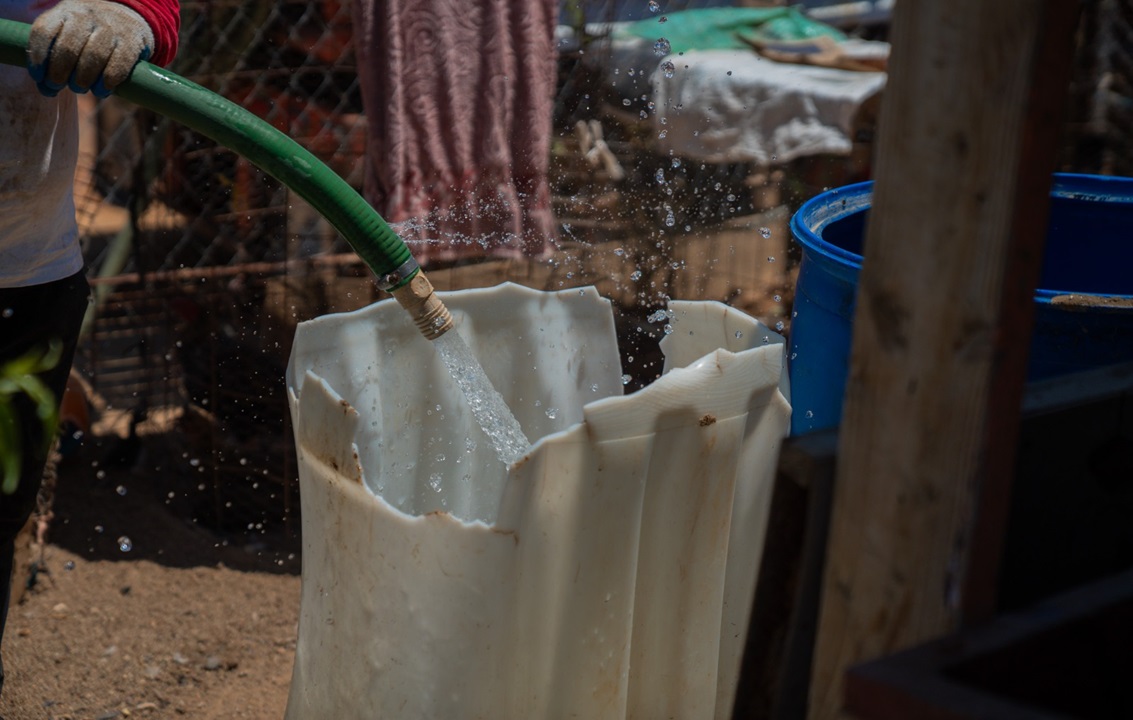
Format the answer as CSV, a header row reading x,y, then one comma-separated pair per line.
x,y
488,406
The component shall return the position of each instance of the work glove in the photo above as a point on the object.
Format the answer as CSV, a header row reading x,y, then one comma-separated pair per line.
x,y
87,45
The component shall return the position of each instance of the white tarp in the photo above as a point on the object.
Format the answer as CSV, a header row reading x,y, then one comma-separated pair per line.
x,y
608,574
726,106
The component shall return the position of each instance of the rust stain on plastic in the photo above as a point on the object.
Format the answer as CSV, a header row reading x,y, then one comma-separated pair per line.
x,y
513,533
708,419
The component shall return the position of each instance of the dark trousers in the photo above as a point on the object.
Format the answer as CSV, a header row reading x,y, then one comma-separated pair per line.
x,y
30,319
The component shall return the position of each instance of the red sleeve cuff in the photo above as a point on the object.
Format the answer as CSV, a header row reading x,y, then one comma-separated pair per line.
x,y
164,18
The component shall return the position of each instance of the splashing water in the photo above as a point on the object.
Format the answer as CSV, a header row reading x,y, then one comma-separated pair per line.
x,y
488,406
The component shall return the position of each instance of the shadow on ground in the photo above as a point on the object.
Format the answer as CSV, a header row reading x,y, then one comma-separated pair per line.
x,y
155,505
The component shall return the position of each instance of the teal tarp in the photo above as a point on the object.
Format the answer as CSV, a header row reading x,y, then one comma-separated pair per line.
x,y
729,28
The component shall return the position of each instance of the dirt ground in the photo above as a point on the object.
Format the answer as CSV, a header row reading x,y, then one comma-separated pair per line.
x,y
186,622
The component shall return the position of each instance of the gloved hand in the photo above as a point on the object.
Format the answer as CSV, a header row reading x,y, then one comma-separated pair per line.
x,y
87,45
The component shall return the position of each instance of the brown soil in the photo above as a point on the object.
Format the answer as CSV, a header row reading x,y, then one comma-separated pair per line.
x,y
189,622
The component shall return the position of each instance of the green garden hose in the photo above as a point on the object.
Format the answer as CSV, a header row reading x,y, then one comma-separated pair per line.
x,y
284,159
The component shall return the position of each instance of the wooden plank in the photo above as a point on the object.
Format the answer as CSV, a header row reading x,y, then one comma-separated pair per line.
x,y
1040,133
942,274
1064,657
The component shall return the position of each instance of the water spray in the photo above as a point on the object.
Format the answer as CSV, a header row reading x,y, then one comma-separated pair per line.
x,y
278,155
369,235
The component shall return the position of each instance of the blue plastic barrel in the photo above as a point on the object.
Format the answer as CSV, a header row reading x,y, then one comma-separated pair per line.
x,y
1084,305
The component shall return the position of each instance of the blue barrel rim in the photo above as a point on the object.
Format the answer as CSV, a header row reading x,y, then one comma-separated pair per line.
x,y
814,215
858,197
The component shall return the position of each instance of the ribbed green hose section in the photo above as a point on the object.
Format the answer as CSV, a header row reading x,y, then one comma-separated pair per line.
x,y
269,149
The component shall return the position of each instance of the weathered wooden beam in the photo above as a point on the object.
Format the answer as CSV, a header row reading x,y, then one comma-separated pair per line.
x,y
941,325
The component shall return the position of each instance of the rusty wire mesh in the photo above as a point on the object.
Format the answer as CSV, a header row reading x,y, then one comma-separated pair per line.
x,y
193,254
203,265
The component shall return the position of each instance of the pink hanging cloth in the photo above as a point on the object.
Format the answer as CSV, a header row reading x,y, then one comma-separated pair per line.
x,y
458,96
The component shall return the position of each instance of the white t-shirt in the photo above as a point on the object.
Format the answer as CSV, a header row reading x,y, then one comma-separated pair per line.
x,y
39,142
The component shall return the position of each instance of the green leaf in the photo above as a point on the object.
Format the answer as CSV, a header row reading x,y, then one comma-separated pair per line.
x,y
16,377
10,455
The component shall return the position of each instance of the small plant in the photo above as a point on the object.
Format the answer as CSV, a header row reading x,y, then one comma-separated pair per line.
x,y
18,377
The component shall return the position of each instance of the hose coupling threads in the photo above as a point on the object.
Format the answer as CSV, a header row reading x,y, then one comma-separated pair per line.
x,y
428,312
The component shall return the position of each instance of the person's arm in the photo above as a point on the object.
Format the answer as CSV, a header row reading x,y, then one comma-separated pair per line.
x,y
95,44
164,19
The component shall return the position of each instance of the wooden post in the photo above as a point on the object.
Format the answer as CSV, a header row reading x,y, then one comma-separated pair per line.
x,y
942,321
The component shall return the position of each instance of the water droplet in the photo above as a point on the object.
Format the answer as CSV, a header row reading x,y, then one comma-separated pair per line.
x,y
619,251
440,457
739,334
777,298
808,414
99,528
660,175
765,232
627,102
663,19
668,329
770,258
635,275
125,544
676,163
8,312
662,47
654,6
779,326
194,462
552,413
121,489
100,474
626,379
69,565
594,387
435,482
668,68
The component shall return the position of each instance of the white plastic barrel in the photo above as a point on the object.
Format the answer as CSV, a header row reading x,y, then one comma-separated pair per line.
x,y
607,574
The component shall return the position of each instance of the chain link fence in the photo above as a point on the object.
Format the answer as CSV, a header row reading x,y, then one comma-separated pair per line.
x,y
194,257
202,265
